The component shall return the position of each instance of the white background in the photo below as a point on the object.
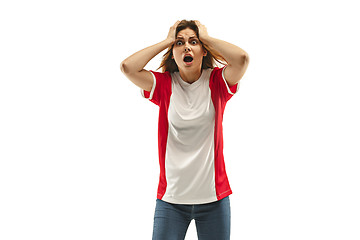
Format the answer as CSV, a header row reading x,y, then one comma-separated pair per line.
x,y
78,143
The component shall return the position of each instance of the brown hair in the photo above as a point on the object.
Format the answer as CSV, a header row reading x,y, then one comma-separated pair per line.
x,y
169,64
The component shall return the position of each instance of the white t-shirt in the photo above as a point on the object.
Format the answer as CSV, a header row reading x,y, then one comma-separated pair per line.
x,y
192,168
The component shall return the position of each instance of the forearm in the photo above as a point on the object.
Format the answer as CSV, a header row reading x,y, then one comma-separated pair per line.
x,y
233,55
137,61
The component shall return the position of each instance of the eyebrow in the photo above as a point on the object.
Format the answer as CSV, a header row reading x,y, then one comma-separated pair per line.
x,y
189,37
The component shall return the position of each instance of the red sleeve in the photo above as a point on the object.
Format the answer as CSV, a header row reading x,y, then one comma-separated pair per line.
x,y
161,86
219,84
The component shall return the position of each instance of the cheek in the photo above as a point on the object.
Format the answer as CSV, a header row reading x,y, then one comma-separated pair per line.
x,y
199,53
177,55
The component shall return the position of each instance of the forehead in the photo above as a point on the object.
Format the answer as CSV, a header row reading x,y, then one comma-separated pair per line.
x,y
186,33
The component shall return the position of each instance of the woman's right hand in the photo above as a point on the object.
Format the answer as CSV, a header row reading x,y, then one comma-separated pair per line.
x,y
171,35
133,66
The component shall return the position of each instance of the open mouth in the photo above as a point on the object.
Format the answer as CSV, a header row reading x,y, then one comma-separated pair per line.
x,y
188,59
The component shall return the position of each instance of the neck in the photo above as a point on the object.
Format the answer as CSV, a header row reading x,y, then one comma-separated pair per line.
x,y
190,76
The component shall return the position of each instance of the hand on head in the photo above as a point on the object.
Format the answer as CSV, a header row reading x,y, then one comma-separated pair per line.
x,y
172,32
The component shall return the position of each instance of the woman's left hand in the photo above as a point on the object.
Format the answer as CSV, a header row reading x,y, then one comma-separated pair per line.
x,y
203,34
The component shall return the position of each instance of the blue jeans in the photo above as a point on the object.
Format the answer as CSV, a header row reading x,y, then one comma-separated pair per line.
x,y
212,220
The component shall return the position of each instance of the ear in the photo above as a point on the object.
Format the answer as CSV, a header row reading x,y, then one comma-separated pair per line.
x,y
205,53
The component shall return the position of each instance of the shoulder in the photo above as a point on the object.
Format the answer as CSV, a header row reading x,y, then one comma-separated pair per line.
x,y
162,75
161,78
217,73
218,83
160,88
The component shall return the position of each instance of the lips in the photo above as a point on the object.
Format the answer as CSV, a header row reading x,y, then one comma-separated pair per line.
x,y
188,59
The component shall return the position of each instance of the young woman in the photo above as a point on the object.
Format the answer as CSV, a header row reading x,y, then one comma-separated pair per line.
x,y
191,93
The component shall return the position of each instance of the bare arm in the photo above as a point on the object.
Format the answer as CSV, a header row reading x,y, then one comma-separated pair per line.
x,y
236,57
133,66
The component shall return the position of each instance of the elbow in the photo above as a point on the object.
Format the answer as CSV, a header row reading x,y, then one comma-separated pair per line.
x,y
240,61
123,67
127,68
244,59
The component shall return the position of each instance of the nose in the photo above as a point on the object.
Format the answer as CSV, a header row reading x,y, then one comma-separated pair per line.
x,y
187,48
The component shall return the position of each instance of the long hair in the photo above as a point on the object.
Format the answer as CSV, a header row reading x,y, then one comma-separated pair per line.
x,y
209,61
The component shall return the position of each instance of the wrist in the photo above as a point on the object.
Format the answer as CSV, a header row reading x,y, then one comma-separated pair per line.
x,y
206,39
169,41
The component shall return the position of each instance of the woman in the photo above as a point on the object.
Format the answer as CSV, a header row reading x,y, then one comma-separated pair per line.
x,y
191,93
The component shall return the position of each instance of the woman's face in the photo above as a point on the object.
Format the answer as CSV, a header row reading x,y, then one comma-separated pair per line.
x,y
188,52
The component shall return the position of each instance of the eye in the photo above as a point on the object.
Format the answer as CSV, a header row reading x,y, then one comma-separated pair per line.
x,y
178,43
194,42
